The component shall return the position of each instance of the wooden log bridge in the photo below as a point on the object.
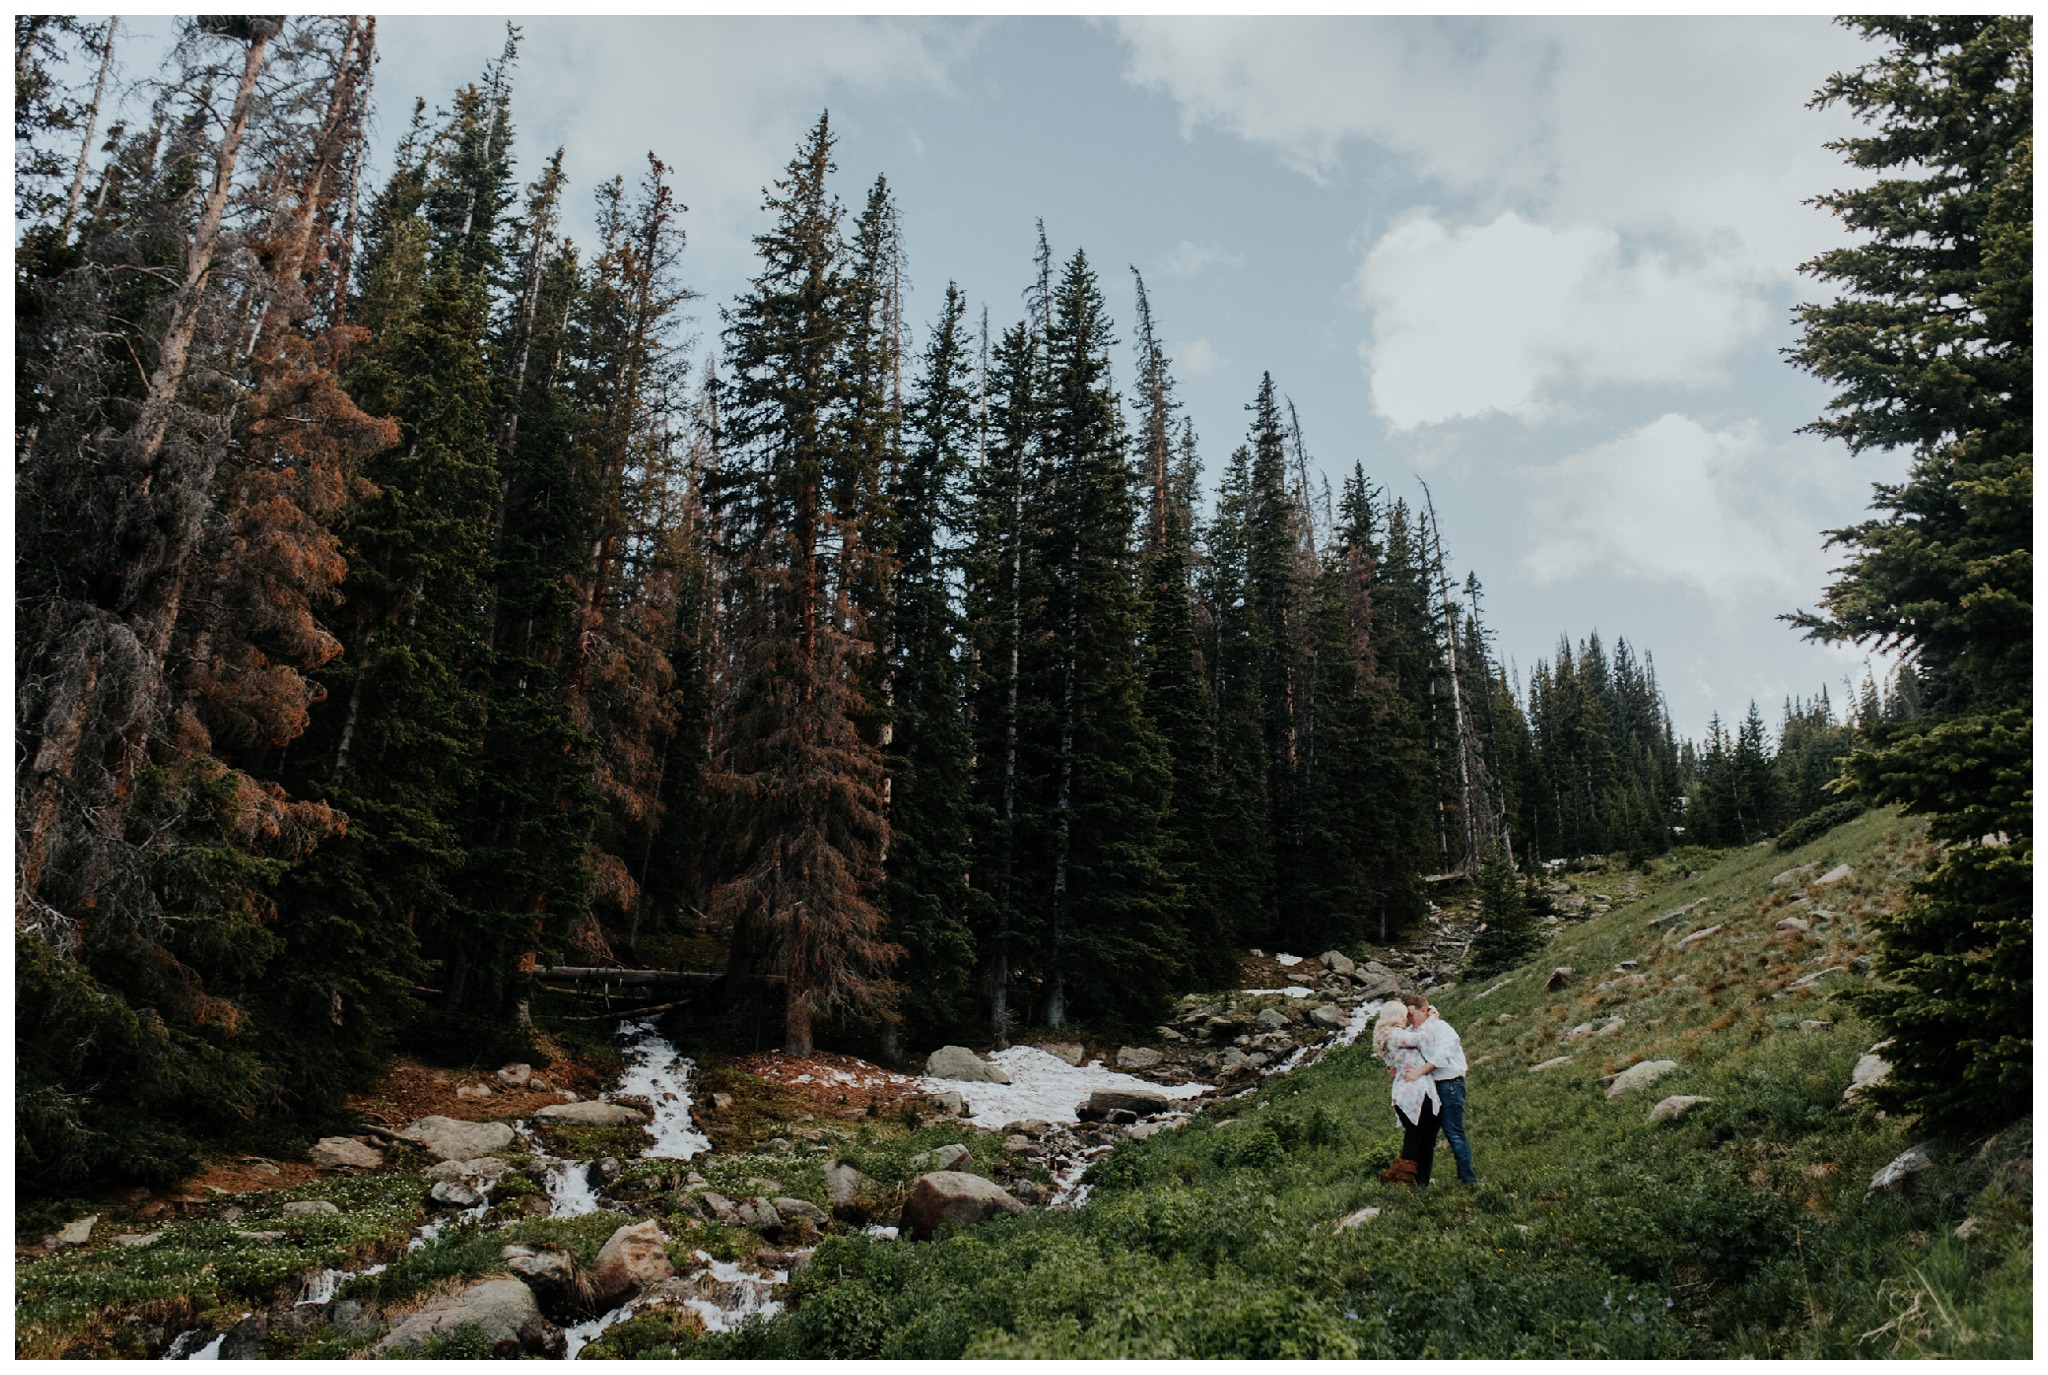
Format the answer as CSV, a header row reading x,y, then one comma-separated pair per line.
x,y
640,978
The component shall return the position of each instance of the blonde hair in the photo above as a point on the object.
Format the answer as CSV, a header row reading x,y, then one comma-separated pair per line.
x,y
1393,1016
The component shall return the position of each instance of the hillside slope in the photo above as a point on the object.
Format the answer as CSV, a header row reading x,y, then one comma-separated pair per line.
x,y
1742,1229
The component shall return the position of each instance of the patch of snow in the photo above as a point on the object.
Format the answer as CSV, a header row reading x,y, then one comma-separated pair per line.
x,y
879,1232
1045,1086
1288,960
657,1073
1292,991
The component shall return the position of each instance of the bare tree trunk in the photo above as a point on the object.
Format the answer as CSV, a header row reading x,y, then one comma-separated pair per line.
x,y
92,119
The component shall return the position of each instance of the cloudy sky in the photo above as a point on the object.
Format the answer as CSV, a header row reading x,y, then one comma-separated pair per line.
x,y
1545,266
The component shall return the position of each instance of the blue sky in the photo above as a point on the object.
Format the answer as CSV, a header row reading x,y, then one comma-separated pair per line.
x,y
1546,266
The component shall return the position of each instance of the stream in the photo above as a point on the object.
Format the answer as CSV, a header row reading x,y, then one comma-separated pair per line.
x,y
725,1294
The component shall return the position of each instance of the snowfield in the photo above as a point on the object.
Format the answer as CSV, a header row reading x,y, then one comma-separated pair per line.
x,y
1045,1086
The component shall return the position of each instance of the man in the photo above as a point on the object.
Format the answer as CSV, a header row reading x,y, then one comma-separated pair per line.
x,y
1443,1059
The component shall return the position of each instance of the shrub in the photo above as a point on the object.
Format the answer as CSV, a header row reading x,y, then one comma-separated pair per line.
x,y
1816,824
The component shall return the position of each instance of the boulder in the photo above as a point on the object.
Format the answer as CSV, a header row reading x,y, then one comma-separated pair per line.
x,y
515,1076
1816,1024
455,1194
1328,1016
1551,1063
502,1310
1676,1106
1791,876
946,1198
635,1257
1103,1102
1967,1228
1560,977
1871,1069
454,1139
483,1167
1137,1057
842,1184
1337,962
788,1208
1019,1145
1272,1018
1033,1127
473,1091
940,1158
344,1153
1834,875
958,1062
1699,935
138,1238
1893,1178
1636,1076
309,1207
1350,1220
259,1238
1231,1059
551,1274
1073,1052
593,1114
951,1102
75,1233
1375,980
1798,925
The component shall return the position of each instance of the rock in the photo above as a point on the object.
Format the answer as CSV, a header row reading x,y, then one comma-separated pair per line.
x,y
1796,924
787,1208
941,1158
1103,1102
502,1310
551,1273
1967,1228
309,1207
1871,1069
1137,1057
483,1167
1676,1106
1033,1127
1699,935
1893,1178
946,1198
1560,977
1337,962
455,1194
1675,913
1231,1059
1328,1016
593,1114
516,1076
1834,875
1170,1036
1073,1052
1636,1076
951,1102
344,1153
958,1062
1816,1024
842,1184
1300,977
74,1234
610,1167
138,1238
454,1139
1375,980
260,1238
1031,1191
635,1257
721,1101
1272,1019
1350,1220
1551,1063
473,1091
1791,876
755,1212
1809,980
352,1318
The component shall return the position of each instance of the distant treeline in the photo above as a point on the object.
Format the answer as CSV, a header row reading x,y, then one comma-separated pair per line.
x,y
396,614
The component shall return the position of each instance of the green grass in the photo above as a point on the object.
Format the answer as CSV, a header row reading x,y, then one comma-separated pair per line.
x,y
1741,1230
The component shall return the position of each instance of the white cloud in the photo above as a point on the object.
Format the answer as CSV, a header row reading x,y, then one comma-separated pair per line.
x,y
1198,356
1498,317
1192,259
1724,511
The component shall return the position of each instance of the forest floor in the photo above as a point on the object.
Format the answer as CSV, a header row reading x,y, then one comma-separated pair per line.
x,y
1744,1225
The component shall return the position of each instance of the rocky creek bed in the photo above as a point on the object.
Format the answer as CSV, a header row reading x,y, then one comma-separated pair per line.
x,y
544,1235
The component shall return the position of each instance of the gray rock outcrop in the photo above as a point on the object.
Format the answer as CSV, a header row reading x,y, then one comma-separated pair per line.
x,y
1637,1076
503,1311
1893,1178
593,1114
960,1063
946,1198
635,1257
452,1138
344,1153
1137,1057
1676,1106
1103,1102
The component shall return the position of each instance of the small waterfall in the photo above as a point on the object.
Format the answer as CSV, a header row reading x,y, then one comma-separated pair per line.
x,y
569,1191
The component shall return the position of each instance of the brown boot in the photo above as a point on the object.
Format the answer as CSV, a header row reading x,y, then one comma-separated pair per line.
x,y
1402,1171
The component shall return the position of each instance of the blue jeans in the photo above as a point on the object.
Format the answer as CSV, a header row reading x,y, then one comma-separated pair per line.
x,y
1452,1092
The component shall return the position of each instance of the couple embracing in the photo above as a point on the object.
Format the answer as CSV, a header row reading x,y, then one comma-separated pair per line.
x,y
1427,1062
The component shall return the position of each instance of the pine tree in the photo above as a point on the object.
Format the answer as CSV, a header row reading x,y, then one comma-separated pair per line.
x,y
1930,342
1509,933
802,789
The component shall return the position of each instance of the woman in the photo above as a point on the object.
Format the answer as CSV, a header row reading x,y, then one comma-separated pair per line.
x,y
1415,1100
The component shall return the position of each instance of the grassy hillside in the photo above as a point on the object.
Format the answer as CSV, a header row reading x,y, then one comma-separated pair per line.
x,y
1742,1229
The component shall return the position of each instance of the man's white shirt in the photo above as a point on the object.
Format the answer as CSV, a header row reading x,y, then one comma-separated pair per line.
x,y
1441,1047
